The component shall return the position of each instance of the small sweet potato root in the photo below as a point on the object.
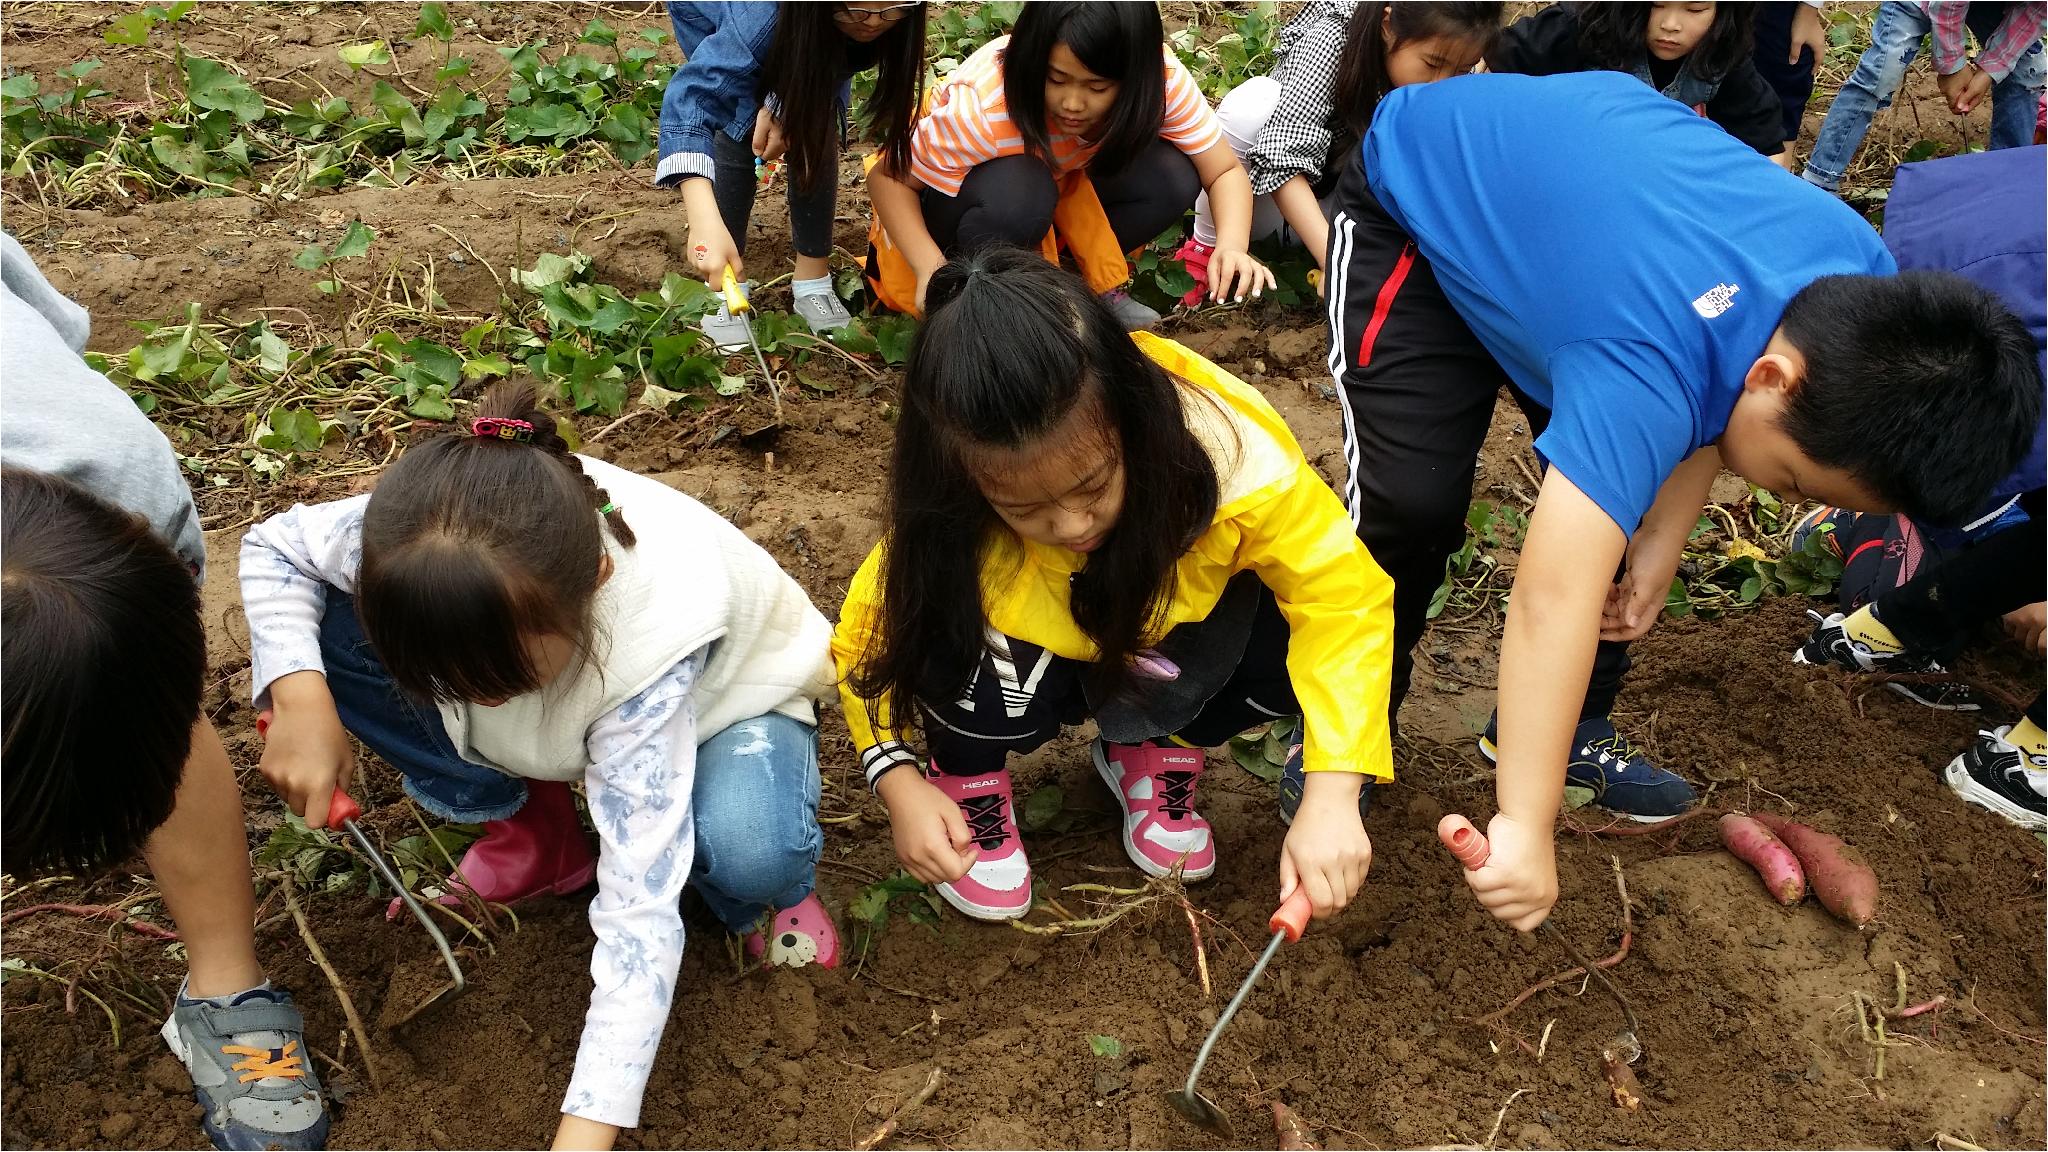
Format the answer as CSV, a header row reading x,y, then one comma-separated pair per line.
x,y
1755,845
1621,1079
1294,1135
1841,878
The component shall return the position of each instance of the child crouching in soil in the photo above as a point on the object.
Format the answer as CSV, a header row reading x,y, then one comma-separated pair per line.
x,y
500,618
1089,523
108,752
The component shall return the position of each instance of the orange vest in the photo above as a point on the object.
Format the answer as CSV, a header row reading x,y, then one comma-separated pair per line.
x,y
1078,224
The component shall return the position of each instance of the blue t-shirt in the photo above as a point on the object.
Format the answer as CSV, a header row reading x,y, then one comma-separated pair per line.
x,y
1623,259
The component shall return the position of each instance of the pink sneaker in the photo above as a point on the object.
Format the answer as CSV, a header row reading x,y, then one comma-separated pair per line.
x,y
1156,786
804,934
1195,256
998,886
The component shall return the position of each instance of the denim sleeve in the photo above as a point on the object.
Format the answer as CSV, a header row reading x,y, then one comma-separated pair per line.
x,y
643,766
288,562
714,89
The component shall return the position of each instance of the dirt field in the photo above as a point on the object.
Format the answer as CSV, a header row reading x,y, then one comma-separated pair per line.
x,y
1364,1027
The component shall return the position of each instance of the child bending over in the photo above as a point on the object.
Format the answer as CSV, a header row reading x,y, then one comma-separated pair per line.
x,y
761,81
1292,129
1544,235
500,618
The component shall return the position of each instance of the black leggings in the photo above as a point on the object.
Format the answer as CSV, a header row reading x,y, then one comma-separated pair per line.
x,y
1418,390
1945,602
810,209
1009,200
1017,703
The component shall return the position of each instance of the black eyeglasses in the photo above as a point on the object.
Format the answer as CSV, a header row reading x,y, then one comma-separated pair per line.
x,y
848,14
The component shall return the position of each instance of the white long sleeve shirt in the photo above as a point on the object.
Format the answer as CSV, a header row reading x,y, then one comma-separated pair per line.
x,y
643,763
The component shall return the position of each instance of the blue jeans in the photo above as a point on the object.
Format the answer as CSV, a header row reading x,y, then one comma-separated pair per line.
x,y
1895,38
756,792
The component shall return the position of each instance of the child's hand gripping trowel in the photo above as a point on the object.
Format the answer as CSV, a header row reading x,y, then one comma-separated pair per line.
x,y
1469,846
730,328
342,810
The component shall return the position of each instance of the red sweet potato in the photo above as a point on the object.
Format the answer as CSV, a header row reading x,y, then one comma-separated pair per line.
x,y
1844,882
1754,845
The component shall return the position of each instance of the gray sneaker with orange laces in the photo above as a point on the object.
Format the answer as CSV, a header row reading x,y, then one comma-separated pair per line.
x,y
250,1070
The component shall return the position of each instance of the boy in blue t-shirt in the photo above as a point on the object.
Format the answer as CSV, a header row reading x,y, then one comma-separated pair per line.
x,y
1661,301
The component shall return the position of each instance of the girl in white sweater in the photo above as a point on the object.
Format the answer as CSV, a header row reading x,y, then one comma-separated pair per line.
x,y
488,622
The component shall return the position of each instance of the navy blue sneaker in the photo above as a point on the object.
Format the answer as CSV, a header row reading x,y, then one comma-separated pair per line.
x,y
250,1070
1623,782
1291,780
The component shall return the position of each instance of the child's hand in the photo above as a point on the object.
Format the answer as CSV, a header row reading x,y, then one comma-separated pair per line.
x,y
1326,850
1233,272
712,252
768,141
1976,90
931,837
1635,601
2029,627
1808,35
1963,87
306,755
1518,883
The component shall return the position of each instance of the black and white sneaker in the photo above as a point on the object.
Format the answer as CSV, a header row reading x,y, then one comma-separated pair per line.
x,y
1831,644
1994,774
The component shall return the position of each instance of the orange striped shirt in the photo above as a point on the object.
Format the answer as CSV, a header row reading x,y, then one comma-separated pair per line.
x,y
968,122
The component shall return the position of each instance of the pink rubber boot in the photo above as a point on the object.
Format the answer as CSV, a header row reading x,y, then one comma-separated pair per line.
x,y
537,850
1155,784
803,934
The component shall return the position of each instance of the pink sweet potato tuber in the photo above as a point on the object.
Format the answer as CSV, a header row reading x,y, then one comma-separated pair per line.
x,y
1844,882
1756,846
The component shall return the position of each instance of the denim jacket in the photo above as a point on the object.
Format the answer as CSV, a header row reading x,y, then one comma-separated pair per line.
x,y
724,46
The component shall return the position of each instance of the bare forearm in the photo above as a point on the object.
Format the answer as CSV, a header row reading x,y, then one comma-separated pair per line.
x,y
700,200
1298,206
902,218
1230,198
1683,493
576,1132
1546,659
1546,652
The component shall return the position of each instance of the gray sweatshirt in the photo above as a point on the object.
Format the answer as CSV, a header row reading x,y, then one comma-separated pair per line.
x,y
59,416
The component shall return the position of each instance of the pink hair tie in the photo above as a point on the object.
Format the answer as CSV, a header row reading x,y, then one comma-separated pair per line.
x,y
502,428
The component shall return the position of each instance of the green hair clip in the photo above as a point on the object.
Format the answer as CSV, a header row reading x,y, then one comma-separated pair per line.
x,y
608,509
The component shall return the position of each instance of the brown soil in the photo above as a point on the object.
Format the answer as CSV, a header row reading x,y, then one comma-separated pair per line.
x,y
1361,1027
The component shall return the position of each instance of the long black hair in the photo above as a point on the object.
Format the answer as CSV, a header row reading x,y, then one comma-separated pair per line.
x,y
1010,348
103,672
1124,42
473,542
1376,32
1615,36
805,62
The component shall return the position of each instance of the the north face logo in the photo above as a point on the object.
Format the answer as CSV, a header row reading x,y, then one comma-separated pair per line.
x,y
1715,300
